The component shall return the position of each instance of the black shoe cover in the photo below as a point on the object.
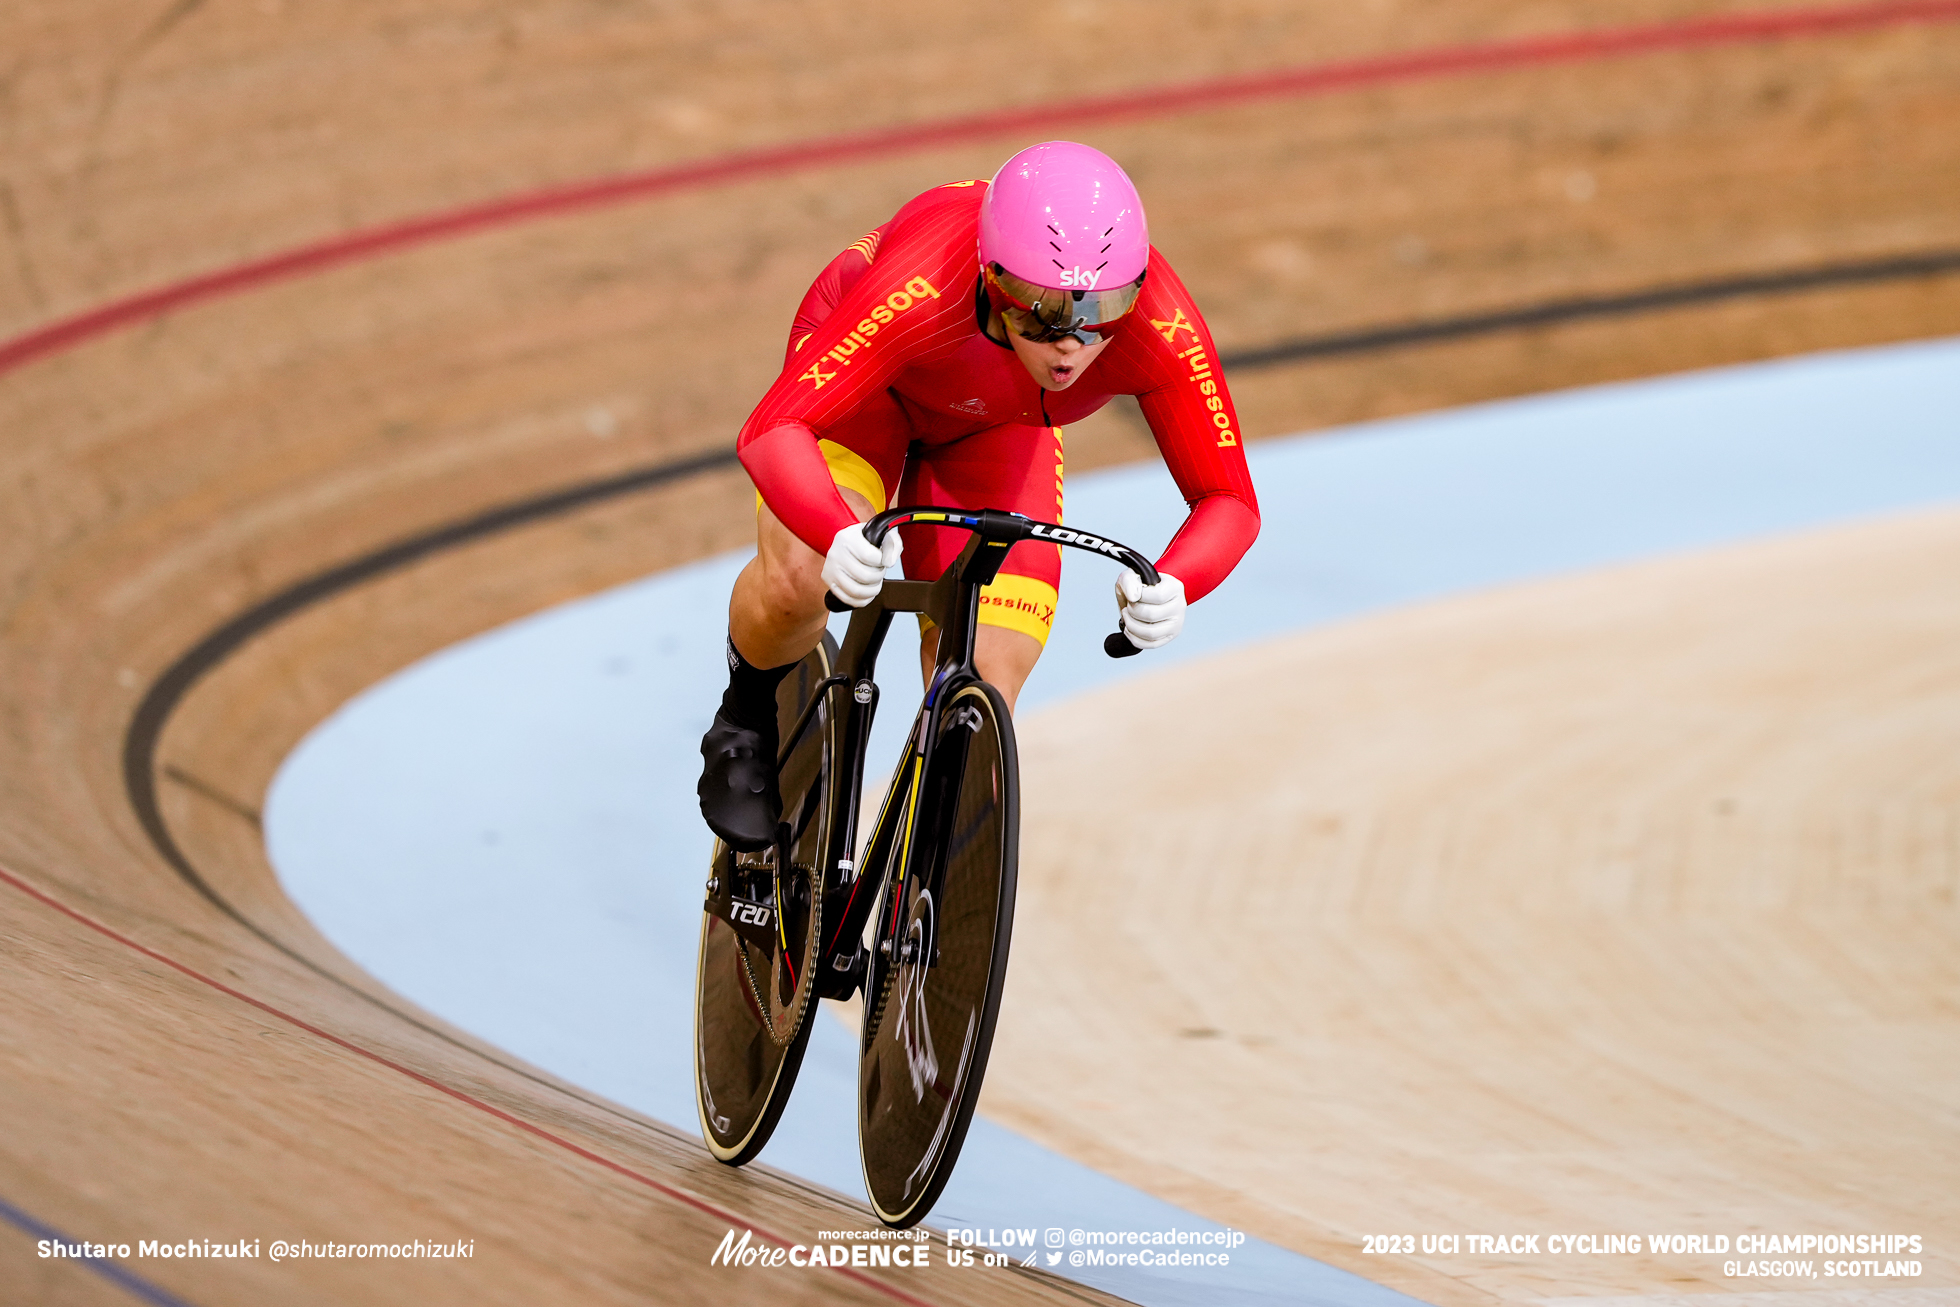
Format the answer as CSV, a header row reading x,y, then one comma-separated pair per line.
x,y
738,785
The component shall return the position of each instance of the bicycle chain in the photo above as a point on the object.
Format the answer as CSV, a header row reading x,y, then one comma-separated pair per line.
x,y
806,984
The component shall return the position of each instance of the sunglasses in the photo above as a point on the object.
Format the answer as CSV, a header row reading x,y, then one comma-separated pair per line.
x,y
1043,314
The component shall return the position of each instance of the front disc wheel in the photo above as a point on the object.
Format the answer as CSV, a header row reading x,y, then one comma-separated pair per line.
x,y
939,960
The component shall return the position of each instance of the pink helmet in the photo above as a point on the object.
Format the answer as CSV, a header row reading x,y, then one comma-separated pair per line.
x,y
1063,217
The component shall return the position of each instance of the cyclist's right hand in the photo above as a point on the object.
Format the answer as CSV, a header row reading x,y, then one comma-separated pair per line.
x,y
855,568
1152,615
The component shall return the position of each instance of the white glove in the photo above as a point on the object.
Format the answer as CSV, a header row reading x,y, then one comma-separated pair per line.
x,y
1152,614
855,568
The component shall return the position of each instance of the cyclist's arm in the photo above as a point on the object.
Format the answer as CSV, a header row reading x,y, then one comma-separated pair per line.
x,y
836,280
913,300
1190,413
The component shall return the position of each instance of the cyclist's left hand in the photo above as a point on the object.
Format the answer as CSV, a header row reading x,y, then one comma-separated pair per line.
x,y
1152,614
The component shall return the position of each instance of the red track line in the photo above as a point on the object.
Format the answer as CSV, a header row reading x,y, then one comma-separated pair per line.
x,y
669,1191
1315,79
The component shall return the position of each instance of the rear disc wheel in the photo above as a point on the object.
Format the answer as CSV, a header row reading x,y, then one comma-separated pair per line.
x,y
759,940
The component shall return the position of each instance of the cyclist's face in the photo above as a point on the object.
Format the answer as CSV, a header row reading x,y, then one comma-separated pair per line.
x,y
1055,364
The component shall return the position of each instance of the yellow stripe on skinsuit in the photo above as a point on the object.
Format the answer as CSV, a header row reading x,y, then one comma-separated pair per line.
x,y
1019,603
1058,476
850,472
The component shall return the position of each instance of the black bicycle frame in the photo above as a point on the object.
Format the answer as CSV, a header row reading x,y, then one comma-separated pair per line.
x,y
951,603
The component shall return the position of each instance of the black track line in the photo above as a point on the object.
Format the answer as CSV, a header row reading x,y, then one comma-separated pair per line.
x,y
146,727
1552,312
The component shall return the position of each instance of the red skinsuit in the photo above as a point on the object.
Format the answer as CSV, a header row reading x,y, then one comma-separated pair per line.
x,y
893,320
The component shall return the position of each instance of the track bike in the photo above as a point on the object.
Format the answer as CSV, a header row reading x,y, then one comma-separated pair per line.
x,y
916,917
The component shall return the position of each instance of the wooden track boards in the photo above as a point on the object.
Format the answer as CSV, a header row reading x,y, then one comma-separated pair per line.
x,y
156,482
1621,903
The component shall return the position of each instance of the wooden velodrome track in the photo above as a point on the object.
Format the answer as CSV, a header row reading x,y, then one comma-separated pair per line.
x,y
185,1057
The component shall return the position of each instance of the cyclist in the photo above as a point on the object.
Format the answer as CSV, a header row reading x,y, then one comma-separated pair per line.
x,y
936,361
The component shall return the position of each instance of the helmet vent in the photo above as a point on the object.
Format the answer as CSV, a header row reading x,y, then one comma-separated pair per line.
x,y
1075,200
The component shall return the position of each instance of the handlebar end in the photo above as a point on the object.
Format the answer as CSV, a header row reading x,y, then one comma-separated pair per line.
x,y
834,604
1117,645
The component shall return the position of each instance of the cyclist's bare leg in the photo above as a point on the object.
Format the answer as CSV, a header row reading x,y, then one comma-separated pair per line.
x,y
1003,657
776,612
